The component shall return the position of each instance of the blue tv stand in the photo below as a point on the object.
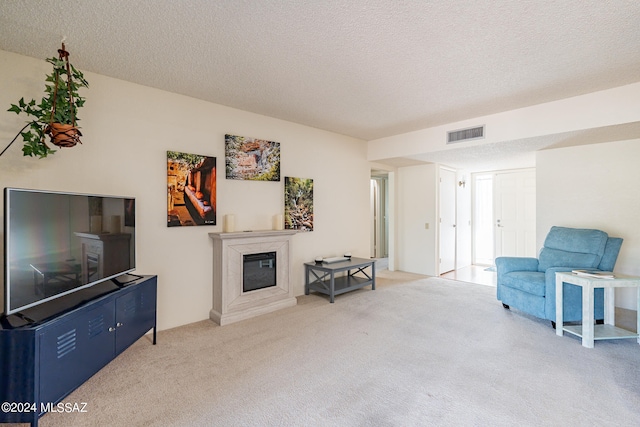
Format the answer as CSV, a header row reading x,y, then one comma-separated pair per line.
x,y
42,361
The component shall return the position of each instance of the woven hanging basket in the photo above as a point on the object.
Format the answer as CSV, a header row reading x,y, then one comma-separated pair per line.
x,y
63,135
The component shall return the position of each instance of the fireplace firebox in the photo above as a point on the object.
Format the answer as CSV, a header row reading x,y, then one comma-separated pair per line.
x,y
258,271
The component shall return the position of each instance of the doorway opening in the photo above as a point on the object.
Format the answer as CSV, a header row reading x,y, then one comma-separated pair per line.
x,y
481,270
379,215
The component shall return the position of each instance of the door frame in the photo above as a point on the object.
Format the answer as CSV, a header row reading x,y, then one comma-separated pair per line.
x,y
379,216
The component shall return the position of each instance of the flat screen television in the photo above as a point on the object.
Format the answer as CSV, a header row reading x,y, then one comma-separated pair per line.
x,y
57,243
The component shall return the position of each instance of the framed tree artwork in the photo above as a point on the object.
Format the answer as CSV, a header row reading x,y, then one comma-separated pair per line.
x,y
298,204
191,189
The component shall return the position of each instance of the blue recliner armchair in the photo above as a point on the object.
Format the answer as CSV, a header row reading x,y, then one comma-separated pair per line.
x,y
529,284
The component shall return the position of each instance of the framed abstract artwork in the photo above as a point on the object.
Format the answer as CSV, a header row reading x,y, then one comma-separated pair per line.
x,y
191,189
252,159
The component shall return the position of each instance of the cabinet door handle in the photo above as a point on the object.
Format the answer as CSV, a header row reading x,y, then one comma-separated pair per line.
x,y
119,324
111,329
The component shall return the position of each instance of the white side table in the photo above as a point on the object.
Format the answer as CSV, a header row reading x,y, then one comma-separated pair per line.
x,y
588,331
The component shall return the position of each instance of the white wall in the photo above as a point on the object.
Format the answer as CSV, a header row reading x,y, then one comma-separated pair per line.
x,y
127,130
594,186
417,204
416,246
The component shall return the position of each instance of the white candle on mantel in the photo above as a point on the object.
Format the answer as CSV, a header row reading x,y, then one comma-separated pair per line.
x,y
229,223
278,222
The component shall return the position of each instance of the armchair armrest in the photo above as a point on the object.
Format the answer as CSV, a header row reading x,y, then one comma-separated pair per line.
x,y
550,290
508,264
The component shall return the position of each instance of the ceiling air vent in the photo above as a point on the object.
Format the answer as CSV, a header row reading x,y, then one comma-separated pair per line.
x,y
465,134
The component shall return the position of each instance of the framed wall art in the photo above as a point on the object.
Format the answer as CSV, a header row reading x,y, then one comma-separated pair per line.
x,y
252,159
191,189
298,204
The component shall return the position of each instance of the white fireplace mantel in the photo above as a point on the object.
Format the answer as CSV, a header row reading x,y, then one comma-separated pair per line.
x,y
230,303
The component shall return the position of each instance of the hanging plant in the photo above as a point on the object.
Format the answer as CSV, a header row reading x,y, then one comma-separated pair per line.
x,y
56,113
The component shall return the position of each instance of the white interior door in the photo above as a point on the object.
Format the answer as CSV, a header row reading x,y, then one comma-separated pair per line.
x,y
515,213
447,223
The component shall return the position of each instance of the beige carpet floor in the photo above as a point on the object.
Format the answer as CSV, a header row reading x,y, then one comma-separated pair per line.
x,y
415,352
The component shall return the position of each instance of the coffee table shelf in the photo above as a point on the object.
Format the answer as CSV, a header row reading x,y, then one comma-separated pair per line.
x,y
602,332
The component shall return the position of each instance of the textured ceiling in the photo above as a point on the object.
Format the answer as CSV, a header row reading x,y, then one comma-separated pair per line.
x,y
368,69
